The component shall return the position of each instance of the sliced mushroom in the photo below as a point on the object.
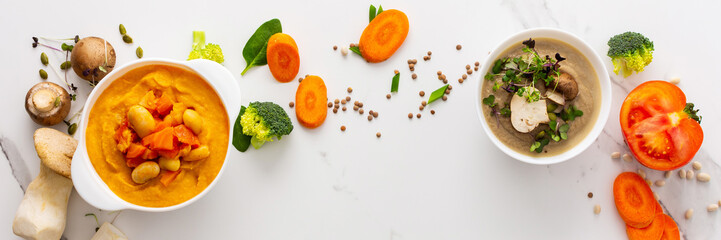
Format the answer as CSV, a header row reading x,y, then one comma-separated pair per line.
x,y
109,232
566,85
47,103
555,97
525,116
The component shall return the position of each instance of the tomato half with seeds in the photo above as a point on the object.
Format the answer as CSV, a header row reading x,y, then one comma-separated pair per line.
x,y
659,127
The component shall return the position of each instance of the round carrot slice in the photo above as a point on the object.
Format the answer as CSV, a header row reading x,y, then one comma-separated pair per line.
x,y
283,58
310,102
653,231
670,229
383,36
634,200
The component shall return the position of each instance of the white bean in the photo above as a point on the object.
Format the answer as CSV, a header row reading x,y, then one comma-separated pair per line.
x,y
597,209
712,207
696,165
703,177
689,174
344,51
682,174
675,80
642,173
616,155
627,158
689,213
667,174
660,183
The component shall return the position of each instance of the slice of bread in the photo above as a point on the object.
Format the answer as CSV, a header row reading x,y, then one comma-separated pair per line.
x,y
55,149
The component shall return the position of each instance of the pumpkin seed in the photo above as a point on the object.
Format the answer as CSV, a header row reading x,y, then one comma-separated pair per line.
x,y
44,58
139,52
43,74
122,29
127,39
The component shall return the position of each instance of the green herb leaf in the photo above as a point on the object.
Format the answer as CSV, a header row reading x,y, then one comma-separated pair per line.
x,y
489,76
497,86
102,69
505,111
538,145
490,100
552,124
356,50
563,131
571,113
437,94
497,66
254,51
394,84
371,13
692,113
535,146
240,140
380,10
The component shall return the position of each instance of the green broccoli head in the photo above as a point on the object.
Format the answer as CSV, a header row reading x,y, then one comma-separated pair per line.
x,y
263,121
629,52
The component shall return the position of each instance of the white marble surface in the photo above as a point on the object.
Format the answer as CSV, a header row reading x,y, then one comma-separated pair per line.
x,y
434,178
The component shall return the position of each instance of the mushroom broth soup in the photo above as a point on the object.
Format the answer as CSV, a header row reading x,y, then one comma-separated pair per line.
x,y
531,123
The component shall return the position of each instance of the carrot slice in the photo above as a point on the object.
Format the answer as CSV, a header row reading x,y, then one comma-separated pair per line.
x,y
670,229
283,58
169,153
634,200
134,162
653,231
383,36
169,176
166,122
185,135
310,102
161,140
164,104
124,137
149,154
149,101
135,150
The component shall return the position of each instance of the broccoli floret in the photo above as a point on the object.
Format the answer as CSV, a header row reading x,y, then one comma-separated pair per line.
x,y
205,51
629,52
264,120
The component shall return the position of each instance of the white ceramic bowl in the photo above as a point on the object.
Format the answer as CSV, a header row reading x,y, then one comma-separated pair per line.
x,y
597,65
88,183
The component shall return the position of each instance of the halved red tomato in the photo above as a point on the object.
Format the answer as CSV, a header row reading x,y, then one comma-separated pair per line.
x,y
658,131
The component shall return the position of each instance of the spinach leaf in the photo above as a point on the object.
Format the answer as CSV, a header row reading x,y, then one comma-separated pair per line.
x,y
254,51
394,84
240,140
356,50
437,94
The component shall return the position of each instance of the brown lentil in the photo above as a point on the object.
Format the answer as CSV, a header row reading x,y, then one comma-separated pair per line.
x,y
464,76
418,115
355,108
388,96
300,79
335,110
410,115
396,71
352,45
344,109
355,103
458,47
411,65
335,48
350,89
445,98
336,101
426,58
468,66
422,93
330,104
378,134
375,114
347,98
415,61
439,72
360,111
448,90
429,53
343,101
414,76
360,104
475,69
370,118
477,64
433,111
590,195
469,71
424,103
410,61
445,81
460,80
443,76
291,104
421,107
450,87
342,128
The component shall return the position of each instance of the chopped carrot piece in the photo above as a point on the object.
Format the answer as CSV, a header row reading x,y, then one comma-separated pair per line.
x,y
164,104
124,136
169,176
185,135
149,101
169,153
283,59
163,140
383,36
634,200
134,162
149,154
160,125
135,150
310,101
652,231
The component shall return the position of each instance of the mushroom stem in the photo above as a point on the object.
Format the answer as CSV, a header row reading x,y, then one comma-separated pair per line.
x,y
44,100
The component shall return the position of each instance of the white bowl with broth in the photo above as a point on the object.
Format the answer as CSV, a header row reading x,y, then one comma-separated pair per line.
x,y
594,96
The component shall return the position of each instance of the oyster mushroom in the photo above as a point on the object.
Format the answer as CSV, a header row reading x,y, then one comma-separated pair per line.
x,y
47,103
526,116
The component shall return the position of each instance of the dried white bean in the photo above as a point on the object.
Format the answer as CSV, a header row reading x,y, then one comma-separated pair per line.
x,y
675,80
642,173
712,207
597,209
660,183
616,155
689,174
682,174
627,158
667,174
703,177
696,165
649,182
344,51
689,213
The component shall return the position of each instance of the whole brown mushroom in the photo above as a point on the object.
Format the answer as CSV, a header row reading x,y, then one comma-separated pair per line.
x,y
93,58
566,85
47,103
